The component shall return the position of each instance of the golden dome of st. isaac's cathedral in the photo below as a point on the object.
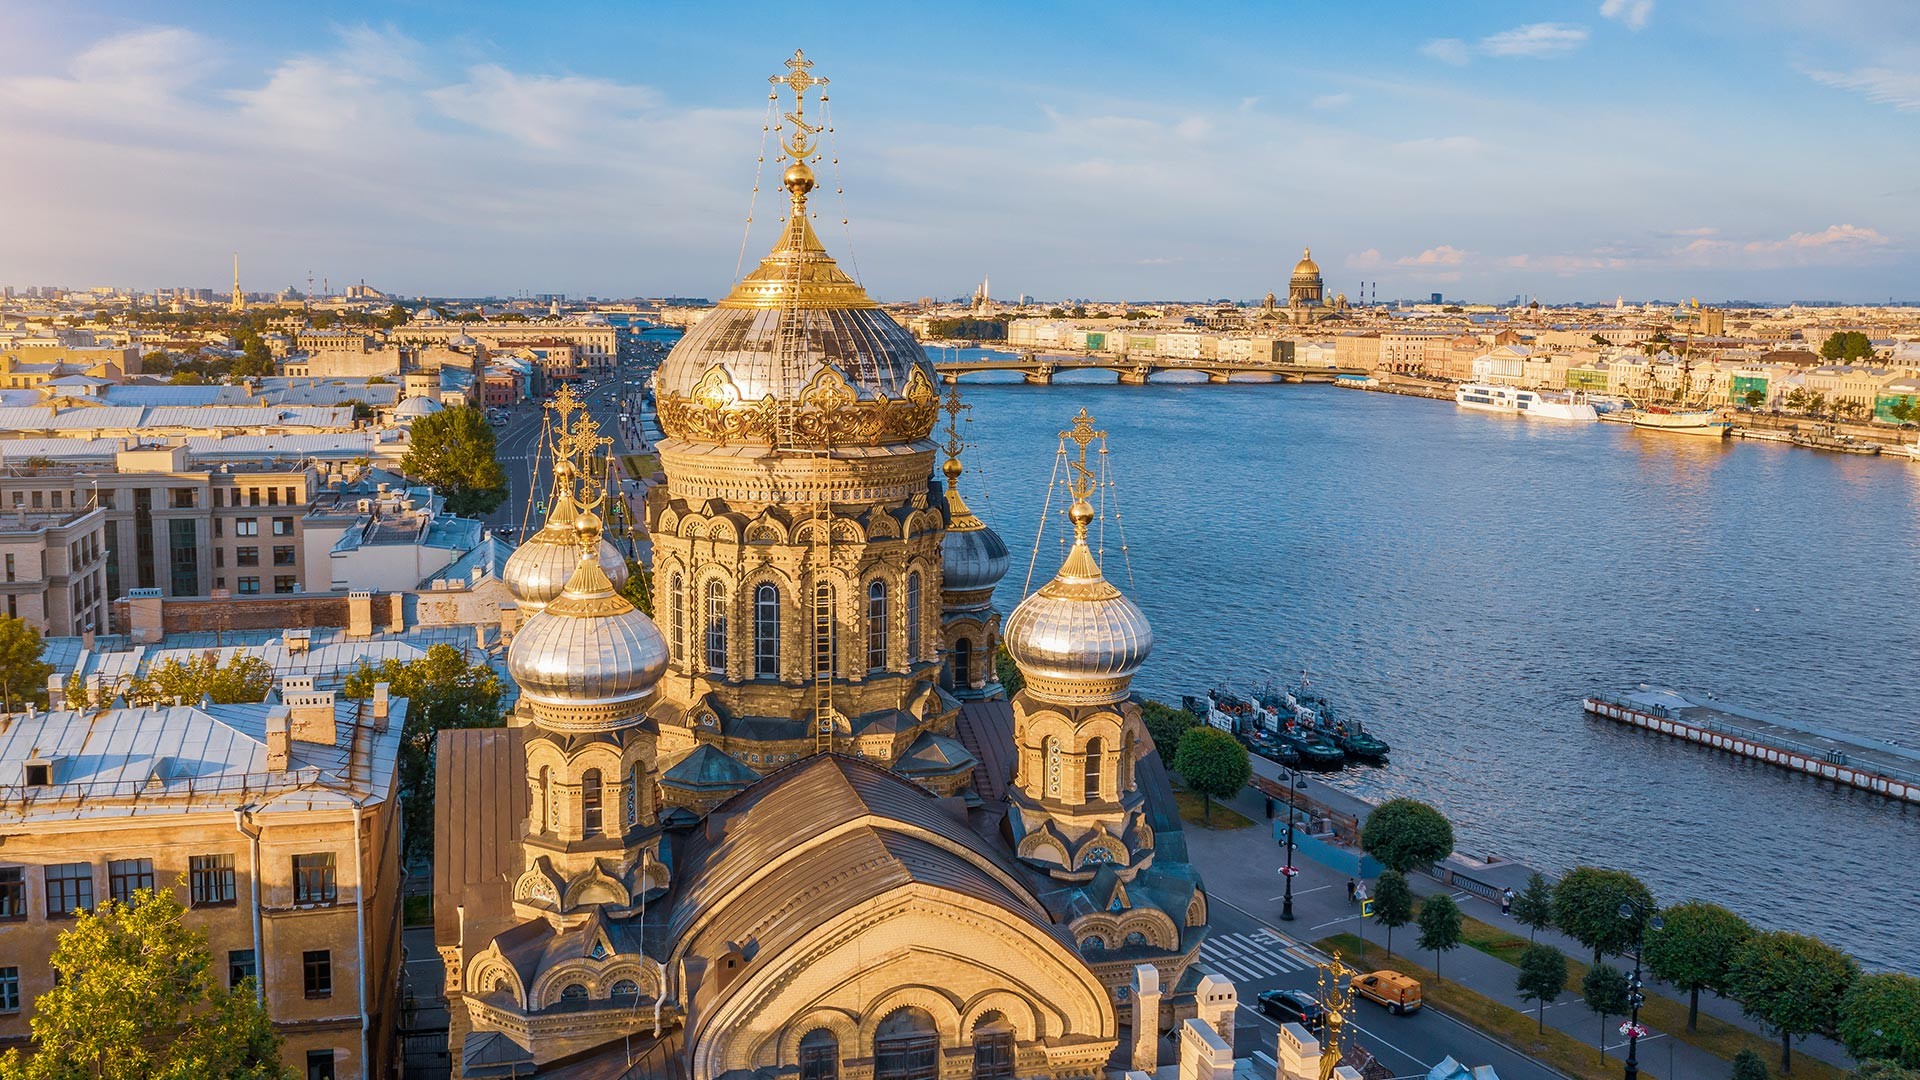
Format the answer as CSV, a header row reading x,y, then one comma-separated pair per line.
x,y
1306,267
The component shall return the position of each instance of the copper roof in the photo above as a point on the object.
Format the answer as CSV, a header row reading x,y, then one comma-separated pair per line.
x,y
480,797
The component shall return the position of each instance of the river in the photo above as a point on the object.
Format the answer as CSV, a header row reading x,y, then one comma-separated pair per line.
x,y
1461,579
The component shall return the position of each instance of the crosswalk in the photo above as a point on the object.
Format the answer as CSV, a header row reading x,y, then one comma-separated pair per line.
x,y
1258,955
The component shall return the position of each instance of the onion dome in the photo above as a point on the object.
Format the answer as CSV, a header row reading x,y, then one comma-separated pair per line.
x,y
1306,267
861,378
590,659
461,341
541,566
1079,640
972,556
414,408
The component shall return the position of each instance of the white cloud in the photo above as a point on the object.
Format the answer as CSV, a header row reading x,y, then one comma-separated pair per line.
x,y
1899,88
1848,236
1437,256
1332,101
1632,13
1535,40
1448,51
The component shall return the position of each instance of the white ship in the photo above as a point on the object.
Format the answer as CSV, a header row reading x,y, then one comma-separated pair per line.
x,y
1913,451
1490,397
1682,421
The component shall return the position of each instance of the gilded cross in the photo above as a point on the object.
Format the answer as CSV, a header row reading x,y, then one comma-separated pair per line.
x,y
799,78
1083,434
582,445
955,407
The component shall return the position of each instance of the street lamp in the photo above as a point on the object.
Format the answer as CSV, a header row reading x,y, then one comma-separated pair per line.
x,y
1295,782
1642,916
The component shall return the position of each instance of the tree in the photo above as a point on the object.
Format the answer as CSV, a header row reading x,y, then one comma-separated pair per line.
x,y
1880,1019
1600,339
1694,948
1845,347
639,587
1404,834
1165,725
1543,974
241,679
1605,988
1882,1070
442,691
1586,904
1439,924
1748,1065
1533,906
453,452
1214,765
23,675
1754,398
1792,984
1796,399
1392,902
187,378
1008,672
136,996
255,360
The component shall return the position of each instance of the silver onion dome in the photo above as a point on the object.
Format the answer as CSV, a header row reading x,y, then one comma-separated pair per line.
x,y
972,556
539,569
1079,640
590,658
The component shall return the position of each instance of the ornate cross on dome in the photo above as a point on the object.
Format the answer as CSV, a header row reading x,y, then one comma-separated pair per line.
x,y
1082,433
954,408
799,78
581,446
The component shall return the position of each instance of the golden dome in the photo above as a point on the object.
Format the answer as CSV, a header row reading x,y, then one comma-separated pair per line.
x,y
1079,639
590,659
1306,267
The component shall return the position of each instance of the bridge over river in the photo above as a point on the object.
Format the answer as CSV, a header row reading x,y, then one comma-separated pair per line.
x,y
1039,368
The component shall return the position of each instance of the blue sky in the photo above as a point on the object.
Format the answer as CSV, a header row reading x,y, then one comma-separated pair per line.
x,y
1578,150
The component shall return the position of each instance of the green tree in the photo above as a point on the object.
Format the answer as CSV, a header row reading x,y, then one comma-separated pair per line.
x,y
1694,949
639,587
1599,339
1392,902
23,675
442,691
394,316
241,679
1586,904
1533,905
1009,675
453,451
1057,313
1439,924
1404,834
1879,1018
187,378
1755,398
136,997
1792,984
1213,764
1748,1065
256,360
1846,346
1165,725
1605,988
1796,399
1543,975
1882,1070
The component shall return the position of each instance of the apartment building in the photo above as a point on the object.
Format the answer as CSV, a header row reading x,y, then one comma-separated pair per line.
x,y
277,824
53,569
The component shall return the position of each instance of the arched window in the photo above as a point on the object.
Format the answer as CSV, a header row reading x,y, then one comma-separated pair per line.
x,y
717,627
992,1048
678,589
819,1055
1137,939
546,798
913,617
876,625
826,632
573,992
625,989
1094,753
906,1046
590,803
766,632
963,664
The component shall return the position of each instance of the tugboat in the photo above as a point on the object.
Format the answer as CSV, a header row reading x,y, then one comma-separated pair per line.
x,y
1245,719
1299,732
1351,736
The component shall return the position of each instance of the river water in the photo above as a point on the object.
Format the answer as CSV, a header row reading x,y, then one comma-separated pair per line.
x,y
1461,579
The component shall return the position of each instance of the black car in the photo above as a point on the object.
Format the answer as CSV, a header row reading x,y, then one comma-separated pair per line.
x,y
1293,1006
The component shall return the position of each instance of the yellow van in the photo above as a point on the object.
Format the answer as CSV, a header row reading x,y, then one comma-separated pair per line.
x,y
1397,992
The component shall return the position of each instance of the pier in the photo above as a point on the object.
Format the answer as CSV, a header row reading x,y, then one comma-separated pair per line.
x,y
1882,768
1039,368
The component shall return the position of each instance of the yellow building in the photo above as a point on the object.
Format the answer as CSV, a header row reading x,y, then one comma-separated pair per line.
x,y
800,828
276,824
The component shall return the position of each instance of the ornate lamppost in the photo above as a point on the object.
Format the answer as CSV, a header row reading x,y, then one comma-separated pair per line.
x,y
1295,782
1643,917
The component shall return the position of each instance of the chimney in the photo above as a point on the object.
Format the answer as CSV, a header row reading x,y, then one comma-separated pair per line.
x,y
279,742
380,691
56,693
397,623
298,641
360,614
312,714
145,625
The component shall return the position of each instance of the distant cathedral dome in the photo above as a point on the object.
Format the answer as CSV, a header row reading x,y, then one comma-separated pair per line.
x,y
414,408
590,657
972,556
1079,639
1306,267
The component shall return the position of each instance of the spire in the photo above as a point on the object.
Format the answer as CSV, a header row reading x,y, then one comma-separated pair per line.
x,y
239,302
961,517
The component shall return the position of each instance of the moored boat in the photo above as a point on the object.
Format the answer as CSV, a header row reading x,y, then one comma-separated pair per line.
x,y
1570,405
1680,421
1313,710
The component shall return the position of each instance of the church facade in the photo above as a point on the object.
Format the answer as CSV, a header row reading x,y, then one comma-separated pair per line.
x,y
791,825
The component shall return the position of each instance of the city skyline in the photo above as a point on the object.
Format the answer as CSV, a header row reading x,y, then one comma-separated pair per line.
x,y
1572,151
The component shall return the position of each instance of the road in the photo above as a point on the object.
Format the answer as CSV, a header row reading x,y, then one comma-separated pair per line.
x,y
1257,956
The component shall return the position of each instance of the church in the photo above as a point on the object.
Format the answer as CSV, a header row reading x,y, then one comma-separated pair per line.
x,y
792,825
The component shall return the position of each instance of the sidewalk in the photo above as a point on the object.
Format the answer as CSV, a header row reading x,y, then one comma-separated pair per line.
x,y
1241,868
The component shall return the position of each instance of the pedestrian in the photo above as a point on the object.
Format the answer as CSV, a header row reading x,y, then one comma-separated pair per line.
x,y
1350,890
1360,892
1506,901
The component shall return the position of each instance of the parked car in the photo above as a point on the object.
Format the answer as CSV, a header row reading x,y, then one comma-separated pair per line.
x,y
1293,1007
1397,992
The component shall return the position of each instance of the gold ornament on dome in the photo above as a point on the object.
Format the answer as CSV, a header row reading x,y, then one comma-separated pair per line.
x,y
830,413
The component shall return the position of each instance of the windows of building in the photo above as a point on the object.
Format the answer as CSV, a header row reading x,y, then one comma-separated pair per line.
x,y
183,543
573,992
250,586
283,526
906,1046
241,966
39,500
210,880
69,889
1095,751
766,631
317,971
253,496
10,567
313,877
246,556
819,1055
876,625
273,496
992,1048
679,620
219,554
283,555
143,564
128,876
291,500
9,989
181,498
717,627
320,1065
625,990
913,617
13,893
590,813
286,583
246,527
963,663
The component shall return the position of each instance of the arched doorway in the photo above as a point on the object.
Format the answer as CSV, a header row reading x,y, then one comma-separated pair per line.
x,y
906,1046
